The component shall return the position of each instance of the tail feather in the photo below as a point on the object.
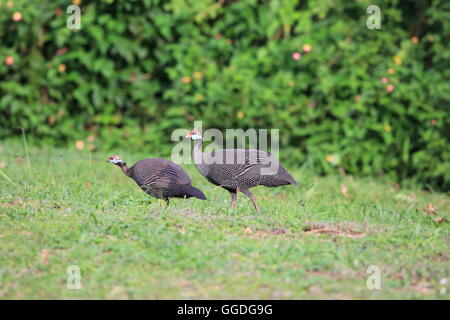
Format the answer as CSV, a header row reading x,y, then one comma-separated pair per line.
x,y
288,177
292,181
194,192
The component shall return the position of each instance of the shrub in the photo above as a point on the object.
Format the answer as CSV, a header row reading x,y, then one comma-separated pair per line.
x,y
367,101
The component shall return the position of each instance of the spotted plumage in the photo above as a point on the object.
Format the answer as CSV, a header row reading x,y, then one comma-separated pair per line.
x,y
160,178
239,169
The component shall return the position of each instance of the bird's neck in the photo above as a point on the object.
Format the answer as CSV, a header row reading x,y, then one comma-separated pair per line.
x,y
197,156
124,168
197,152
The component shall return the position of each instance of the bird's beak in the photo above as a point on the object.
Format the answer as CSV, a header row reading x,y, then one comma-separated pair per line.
x,y
113,160
188,135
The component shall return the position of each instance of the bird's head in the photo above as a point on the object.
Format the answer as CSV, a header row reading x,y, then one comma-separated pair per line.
x,y
194,134
115,159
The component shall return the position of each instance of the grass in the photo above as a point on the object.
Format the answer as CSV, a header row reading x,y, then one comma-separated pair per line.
x,y
66,207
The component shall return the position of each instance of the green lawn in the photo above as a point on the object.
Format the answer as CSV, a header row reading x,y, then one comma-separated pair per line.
x,y
66,207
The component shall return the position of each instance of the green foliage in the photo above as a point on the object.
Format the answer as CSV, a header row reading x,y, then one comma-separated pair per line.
x,y
139,69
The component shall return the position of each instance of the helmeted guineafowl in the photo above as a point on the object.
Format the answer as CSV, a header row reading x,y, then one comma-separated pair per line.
x,y
159,178
239,169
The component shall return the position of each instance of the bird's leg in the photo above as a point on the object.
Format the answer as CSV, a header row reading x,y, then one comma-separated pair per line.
x,y
252,197
167,201
233,198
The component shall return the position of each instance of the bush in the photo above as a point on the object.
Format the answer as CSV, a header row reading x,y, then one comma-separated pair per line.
x,y
367,101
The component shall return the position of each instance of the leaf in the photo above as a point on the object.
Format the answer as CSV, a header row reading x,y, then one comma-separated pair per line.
x,y
430,209
439,219
344,191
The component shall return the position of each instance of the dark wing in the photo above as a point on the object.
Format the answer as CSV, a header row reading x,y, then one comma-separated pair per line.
x,y
159,173
236,164
171,172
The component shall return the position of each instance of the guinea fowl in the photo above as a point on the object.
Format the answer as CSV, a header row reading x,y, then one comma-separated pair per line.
x,y
239,169
160,178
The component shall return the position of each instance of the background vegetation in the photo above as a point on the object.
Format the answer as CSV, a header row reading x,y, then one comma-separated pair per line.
x,y
345,97
310,243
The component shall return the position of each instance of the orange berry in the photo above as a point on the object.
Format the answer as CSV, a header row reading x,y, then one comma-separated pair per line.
x,y
186,79
9,60
79,145
62,68
17,16
307,47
